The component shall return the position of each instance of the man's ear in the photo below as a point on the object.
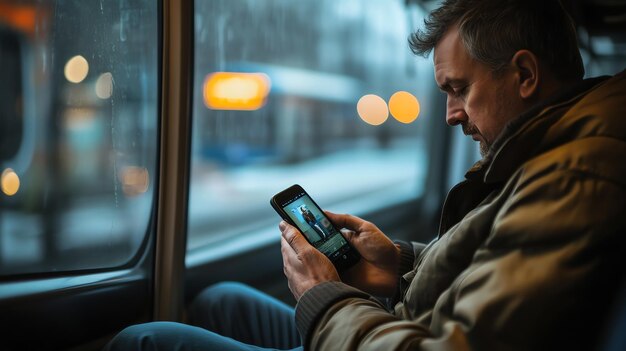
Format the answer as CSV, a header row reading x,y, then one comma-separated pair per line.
x,y
526,66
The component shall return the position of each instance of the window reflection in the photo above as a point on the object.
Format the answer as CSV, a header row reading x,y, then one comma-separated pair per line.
x,y
85,138
320,57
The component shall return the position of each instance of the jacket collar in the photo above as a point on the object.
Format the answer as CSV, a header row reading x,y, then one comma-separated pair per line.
x,y
521,137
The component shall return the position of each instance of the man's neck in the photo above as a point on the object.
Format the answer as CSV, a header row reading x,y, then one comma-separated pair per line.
x,y
552,87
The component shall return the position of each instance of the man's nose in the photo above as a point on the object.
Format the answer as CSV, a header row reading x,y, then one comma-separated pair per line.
x,y
455,114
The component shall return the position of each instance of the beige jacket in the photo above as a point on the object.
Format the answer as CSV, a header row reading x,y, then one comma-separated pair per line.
x,y
531,246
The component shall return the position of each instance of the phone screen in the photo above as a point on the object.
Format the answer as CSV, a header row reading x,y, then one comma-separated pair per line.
x,y
315,226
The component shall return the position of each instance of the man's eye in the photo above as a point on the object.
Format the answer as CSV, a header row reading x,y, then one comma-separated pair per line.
x,y
461,91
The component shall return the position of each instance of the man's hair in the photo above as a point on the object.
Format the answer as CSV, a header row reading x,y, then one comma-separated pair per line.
x,y
492,31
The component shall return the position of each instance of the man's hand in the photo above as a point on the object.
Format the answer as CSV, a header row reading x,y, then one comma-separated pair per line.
x,y
376,272
303,264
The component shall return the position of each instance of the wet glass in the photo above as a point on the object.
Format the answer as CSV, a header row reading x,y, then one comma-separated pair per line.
x,y
78,181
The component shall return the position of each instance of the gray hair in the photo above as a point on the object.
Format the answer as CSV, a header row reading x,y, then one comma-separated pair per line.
x,y
492,31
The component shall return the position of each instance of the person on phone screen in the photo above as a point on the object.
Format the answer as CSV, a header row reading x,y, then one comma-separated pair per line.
x,y
530,245
310,219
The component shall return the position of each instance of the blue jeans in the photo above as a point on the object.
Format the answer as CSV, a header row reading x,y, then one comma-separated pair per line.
x,y
225,316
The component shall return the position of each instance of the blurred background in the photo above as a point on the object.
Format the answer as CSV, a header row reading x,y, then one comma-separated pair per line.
x,y
321,93
271,107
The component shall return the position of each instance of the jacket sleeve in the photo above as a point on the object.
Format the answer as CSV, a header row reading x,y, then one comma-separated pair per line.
x,y
335,316
408,253
552,250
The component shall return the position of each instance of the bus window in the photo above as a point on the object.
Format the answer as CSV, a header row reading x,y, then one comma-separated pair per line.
x,y
281,93
78,190
11,103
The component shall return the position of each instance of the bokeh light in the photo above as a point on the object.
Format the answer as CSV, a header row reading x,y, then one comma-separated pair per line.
x,y
10,182
404,107
135,180
372,109
236,90
104,86
22,16
76,69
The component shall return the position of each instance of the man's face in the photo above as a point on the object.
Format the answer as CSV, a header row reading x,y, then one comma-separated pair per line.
x,y
477,100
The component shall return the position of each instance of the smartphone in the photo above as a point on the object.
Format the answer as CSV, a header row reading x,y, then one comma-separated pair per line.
x,y
297,208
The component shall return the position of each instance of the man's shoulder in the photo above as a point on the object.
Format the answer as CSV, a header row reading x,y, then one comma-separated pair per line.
x,y
598,157
590,135
585,133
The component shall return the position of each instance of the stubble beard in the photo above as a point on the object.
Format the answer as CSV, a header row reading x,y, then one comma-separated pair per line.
x,y
469,129
484,148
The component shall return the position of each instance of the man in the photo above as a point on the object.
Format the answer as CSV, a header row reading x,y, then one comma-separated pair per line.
x,y
530,245
310,219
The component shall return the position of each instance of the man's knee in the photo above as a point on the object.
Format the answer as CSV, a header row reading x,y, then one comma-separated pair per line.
x,y
147,336
170,336
217,294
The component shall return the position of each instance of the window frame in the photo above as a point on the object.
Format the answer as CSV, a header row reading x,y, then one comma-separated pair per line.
x,y
83,308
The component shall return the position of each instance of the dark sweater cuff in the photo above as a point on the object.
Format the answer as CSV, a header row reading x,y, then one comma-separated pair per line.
x,y
315,301
407,257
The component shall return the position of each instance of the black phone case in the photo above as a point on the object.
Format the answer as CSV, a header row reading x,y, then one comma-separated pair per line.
x,y
342,262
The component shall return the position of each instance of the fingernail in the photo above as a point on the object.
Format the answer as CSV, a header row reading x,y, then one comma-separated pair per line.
x,y
281,225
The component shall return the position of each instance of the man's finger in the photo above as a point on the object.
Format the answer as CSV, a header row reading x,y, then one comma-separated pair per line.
x,y
345,220
294,238
348,234
286,249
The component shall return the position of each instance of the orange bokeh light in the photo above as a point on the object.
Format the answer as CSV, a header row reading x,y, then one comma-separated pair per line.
x,y
404,106
22,17
9,182
236,91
